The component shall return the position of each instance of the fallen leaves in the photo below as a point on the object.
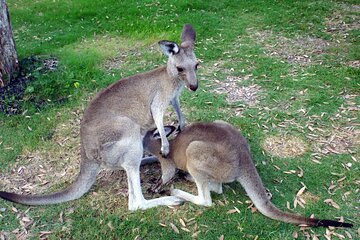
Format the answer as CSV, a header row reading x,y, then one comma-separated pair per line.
x,y
235,92
299,173
299,200
235,210
186,225
299,50
284,146
331,202
174,228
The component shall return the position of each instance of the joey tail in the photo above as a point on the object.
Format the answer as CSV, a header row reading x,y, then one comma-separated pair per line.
x,y
253,186
79,187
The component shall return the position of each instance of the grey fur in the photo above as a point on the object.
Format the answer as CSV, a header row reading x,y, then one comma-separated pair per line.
x,y
116,120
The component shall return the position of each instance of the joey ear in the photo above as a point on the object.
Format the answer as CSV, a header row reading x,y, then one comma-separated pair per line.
x,y
188,34
156,134
169,48
169,130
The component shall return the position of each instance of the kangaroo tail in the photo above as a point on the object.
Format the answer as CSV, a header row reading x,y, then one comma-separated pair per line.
x,y
253,186
82,184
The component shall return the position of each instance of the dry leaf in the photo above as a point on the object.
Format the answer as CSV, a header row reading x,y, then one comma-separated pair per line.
x,y
195,234
277,168
300,203
301,191
341,179
182,222
231,211
301,173
332,203
25,219
61,217
302,200
316,161
348,235
174,228
185,229
110,226
295,202
315,237
339,235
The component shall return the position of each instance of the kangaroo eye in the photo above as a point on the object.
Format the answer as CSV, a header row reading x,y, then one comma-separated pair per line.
x,y
179,69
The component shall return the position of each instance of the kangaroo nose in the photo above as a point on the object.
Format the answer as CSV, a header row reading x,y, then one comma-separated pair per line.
x,y
193,87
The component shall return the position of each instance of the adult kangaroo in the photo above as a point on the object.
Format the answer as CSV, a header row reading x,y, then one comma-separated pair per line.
x,y
116,120
216,153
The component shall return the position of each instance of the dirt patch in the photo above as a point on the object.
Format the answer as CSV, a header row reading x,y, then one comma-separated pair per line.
x,y
40,170
339,140
309,197
344,134
284,146
234,92
299,50
12,95
343,20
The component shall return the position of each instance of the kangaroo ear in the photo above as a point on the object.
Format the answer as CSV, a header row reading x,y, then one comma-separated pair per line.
x,y
156,134
188,34
169,130
169,48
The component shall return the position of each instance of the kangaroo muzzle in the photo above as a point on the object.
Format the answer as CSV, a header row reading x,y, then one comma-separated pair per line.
x,y
193,87
192,82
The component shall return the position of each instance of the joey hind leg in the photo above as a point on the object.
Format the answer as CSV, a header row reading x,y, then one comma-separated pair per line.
x,y
203,198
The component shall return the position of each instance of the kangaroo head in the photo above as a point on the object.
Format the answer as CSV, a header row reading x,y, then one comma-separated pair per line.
x,y
182,61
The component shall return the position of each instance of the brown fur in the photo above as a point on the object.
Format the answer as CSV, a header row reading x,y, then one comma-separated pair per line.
x,y
216,153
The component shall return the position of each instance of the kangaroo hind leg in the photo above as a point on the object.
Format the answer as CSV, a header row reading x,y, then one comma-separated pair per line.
x,y
131,154
203,198
216,187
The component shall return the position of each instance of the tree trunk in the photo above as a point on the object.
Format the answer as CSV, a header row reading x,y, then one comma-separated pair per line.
x,y
8,56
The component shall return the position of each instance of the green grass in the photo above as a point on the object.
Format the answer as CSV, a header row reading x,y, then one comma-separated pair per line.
x,y
85,35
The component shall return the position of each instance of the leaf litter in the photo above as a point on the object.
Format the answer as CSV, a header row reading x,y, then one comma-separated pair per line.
x,y
334,142
299,50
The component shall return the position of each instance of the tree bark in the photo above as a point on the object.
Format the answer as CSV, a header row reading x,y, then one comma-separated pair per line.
x,y
8,55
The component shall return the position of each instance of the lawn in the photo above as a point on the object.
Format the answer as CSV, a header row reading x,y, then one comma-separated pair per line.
x,y
286,73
